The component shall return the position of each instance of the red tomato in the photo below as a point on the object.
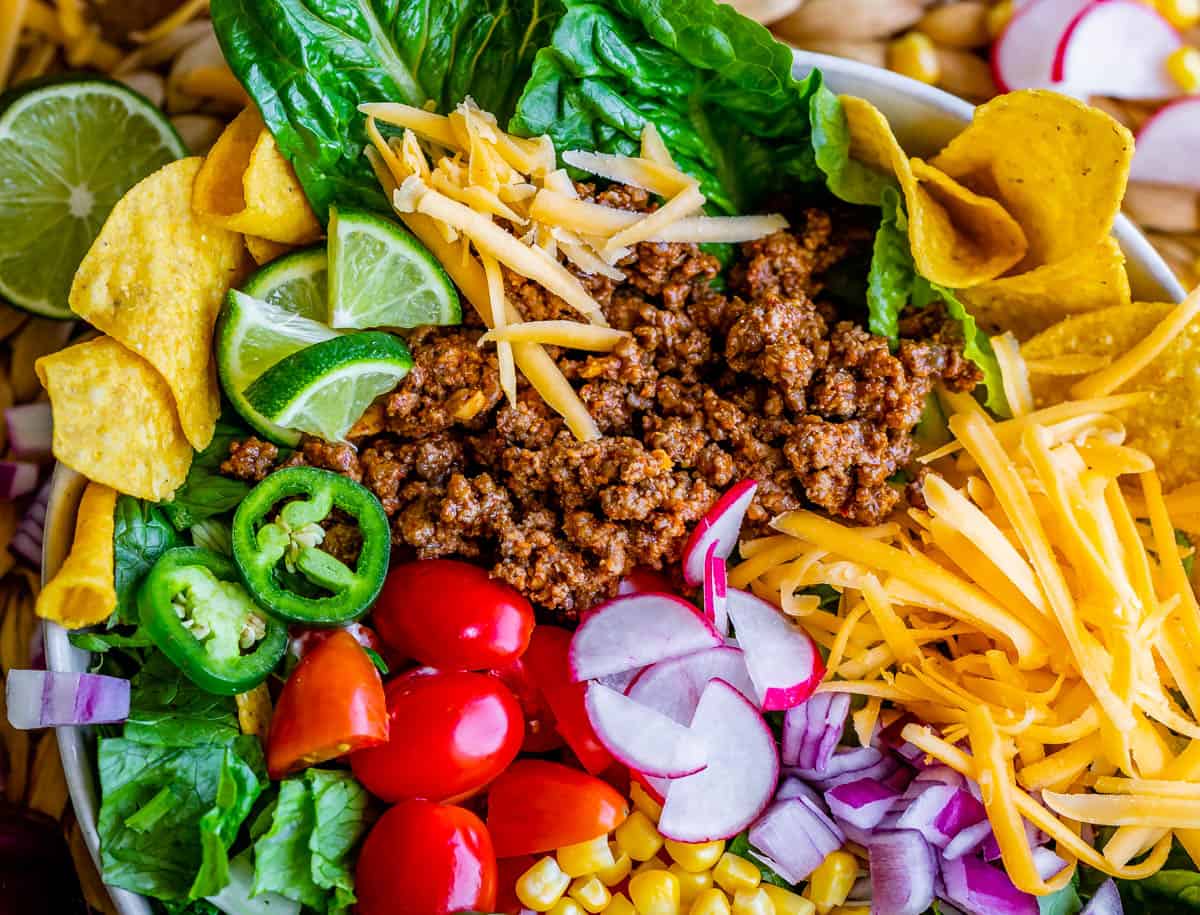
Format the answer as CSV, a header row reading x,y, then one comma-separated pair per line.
x,y
540,733
508,872
303,639
546,661
332,703
644,581
452,732
538,806
452,615
426,859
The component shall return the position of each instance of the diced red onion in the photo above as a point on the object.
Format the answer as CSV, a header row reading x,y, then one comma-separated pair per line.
x,y
795,728
795,837
1047,863
835,724
968,839
817,808
812,731
902,873
862,803
846,760
943,774
39,699
899,778
924,809
27,541
716,590
17,478
814,728
978,887
1105,901
793,787
960,812
1033,835
30,430
882,769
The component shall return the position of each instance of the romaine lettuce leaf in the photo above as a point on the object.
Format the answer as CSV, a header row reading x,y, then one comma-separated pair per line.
x,y
846,179
141,533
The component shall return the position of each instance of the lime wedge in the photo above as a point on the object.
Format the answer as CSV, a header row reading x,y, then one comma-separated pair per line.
x,y
297,282
69,150
380,276
324,389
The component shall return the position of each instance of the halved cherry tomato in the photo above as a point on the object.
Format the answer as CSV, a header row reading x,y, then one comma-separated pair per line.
x,y
423,858
644,581
537,806
452,615
452,732
546,661
303,639
540,733
332,704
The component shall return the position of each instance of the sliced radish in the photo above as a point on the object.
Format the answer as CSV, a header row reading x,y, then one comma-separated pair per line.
x,y
1023,56
641,738
720,526
739,782
655,787
716,587
636,630
623,680
783,661
1168,146
1118,48
674,687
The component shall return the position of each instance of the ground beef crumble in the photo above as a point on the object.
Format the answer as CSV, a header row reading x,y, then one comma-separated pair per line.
x,y
762,380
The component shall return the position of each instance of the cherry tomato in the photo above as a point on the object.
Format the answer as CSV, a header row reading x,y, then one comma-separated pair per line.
x,y
452,615
452,732
645,581
540,733
423,858
537,806
303,639
332,704
546,661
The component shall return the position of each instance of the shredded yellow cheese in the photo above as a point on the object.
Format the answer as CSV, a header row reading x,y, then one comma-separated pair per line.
x,y
571,334
644,173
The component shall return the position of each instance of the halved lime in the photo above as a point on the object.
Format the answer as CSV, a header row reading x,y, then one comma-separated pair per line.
x,y
380,276
69,150
325,388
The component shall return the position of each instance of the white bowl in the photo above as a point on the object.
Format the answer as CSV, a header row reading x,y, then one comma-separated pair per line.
x,y
924,120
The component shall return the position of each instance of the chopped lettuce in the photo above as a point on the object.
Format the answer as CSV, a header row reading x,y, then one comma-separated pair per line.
x,y
846,179
141,533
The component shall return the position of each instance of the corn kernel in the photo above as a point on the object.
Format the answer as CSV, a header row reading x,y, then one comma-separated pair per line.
x,y
691,884
567,906
590,893
998,17
830,883
752,902
710,902
696,857
655,893
1184,67
620,905
654,864
620,868
734,873
585,857
644,802
914,56
787,902
542,885
1183,14
638,837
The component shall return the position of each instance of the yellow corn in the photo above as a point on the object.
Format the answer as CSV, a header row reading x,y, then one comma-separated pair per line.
x,y
998,17
752,902
710,902
618,870
914,56
787,902
830,883
1183,14
638,837
585,857
620,905
691,883
567,906
696,857
542,885
590,893
644,802
654,864
734,873
655,893
1184,67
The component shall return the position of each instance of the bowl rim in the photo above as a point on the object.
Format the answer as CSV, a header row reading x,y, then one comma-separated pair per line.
x,y
74,743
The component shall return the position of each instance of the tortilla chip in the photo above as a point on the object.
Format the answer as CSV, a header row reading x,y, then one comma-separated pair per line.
x,y
1057,165
154,280
246,185
1163,425
115,419
958,238
263,250
1028,303
83,592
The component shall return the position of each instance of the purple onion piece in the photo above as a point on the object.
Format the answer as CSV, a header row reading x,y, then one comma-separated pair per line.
x,y
794,838
814,730
835,724
943,774
795,726
924,810
1105,901
902,873
961,811
975,886
30,430
862,803
967,840
792,787
40,698
850,760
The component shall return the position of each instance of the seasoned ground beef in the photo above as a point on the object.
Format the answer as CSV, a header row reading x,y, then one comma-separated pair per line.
x,y
762,380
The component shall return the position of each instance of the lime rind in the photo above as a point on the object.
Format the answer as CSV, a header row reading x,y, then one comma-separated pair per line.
x,y
381,276
297,282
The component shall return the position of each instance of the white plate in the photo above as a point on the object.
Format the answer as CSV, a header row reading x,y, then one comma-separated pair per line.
x,y
924,119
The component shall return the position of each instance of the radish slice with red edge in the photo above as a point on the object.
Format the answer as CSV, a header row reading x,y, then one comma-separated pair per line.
x,y
1023,56
44,699
903,874
30,430
1118,48
1168,146
720,526
783,661
716,591
739,782
655,787
641,738
674,687
636,630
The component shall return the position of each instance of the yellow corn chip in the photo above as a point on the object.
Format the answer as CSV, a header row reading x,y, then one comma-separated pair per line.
x,y
958,238
115,420
83,592
1027,303
263,250
154,280
1057,165
246,185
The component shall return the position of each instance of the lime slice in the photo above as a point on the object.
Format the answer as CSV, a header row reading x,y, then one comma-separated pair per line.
x,y
324,389
380,276
69,150
297,282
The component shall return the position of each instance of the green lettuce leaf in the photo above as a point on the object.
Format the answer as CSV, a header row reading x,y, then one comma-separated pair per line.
x,y
206,493
309,64
166,709
846,179
141,533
